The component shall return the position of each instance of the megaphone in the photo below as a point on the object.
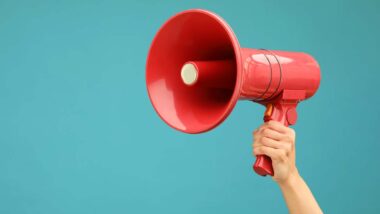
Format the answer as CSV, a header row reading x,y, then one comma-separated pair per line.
x,y
196,71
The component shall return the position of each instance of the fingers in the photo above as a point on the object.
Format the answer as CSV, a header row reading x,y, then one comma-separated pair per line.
x,y
274,154
274,144
276,141
270,133
275,136
267,142
277,126
276,131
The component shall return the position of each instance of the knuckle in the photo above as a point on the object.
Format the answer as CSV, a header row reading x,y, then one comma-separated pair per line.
x,y
257,150
265,132
256,141
255,144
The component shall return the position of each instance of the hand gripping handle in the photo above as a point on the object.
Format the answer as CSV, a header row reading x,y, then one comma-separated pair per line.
x,y
283,113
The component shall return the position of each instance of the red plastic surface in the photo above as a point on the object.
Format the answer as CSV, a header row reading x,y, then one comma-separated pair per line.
x,y
209,75
203,38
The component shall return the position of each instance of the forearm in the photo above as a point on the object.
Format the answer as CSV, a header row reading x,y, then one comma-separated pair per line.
x,y
298,196
277,141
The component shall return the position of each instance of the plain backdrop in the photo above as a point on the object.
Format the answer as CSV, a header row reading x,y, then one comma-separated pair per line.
x,y
79,135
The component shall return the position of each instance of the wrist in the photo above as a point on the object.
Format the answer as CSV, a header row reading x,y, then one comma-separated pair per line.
x,y
292,180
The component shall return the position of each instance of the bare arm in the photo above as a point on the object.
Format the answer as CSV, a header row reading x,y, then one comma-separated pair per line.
x,y
278,142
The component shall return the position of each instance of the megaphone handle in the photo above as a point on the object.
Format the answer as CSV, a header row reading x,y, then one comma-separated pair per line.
x,y
263,165
287,115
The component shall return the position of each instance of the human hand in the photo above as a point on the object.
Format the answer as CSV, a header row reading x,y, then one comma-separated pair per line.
x,y
277,141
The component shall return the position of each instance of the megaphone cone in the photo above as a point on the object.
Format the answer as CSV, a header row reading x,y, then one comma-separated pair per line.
x,y
196,72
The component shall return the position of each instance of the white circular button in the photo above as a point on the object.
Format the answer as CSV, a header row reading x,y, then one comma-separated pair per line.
x,y
189,74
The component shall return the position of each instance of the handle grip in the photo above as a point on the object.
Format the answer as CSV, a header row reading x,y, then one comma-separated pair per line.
x,y
283,113
263,165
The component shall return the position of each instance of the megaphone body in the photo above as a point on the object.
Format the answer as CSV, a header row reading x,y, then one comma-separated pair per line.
x,y
196,72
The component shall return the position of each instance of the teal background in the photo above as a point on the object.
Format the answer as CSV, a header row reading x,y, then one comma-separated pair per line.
x,y
79,135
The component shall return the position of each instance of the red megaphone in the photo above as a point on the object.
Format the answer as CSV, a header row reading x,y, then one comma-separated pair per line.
x,y
196,72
